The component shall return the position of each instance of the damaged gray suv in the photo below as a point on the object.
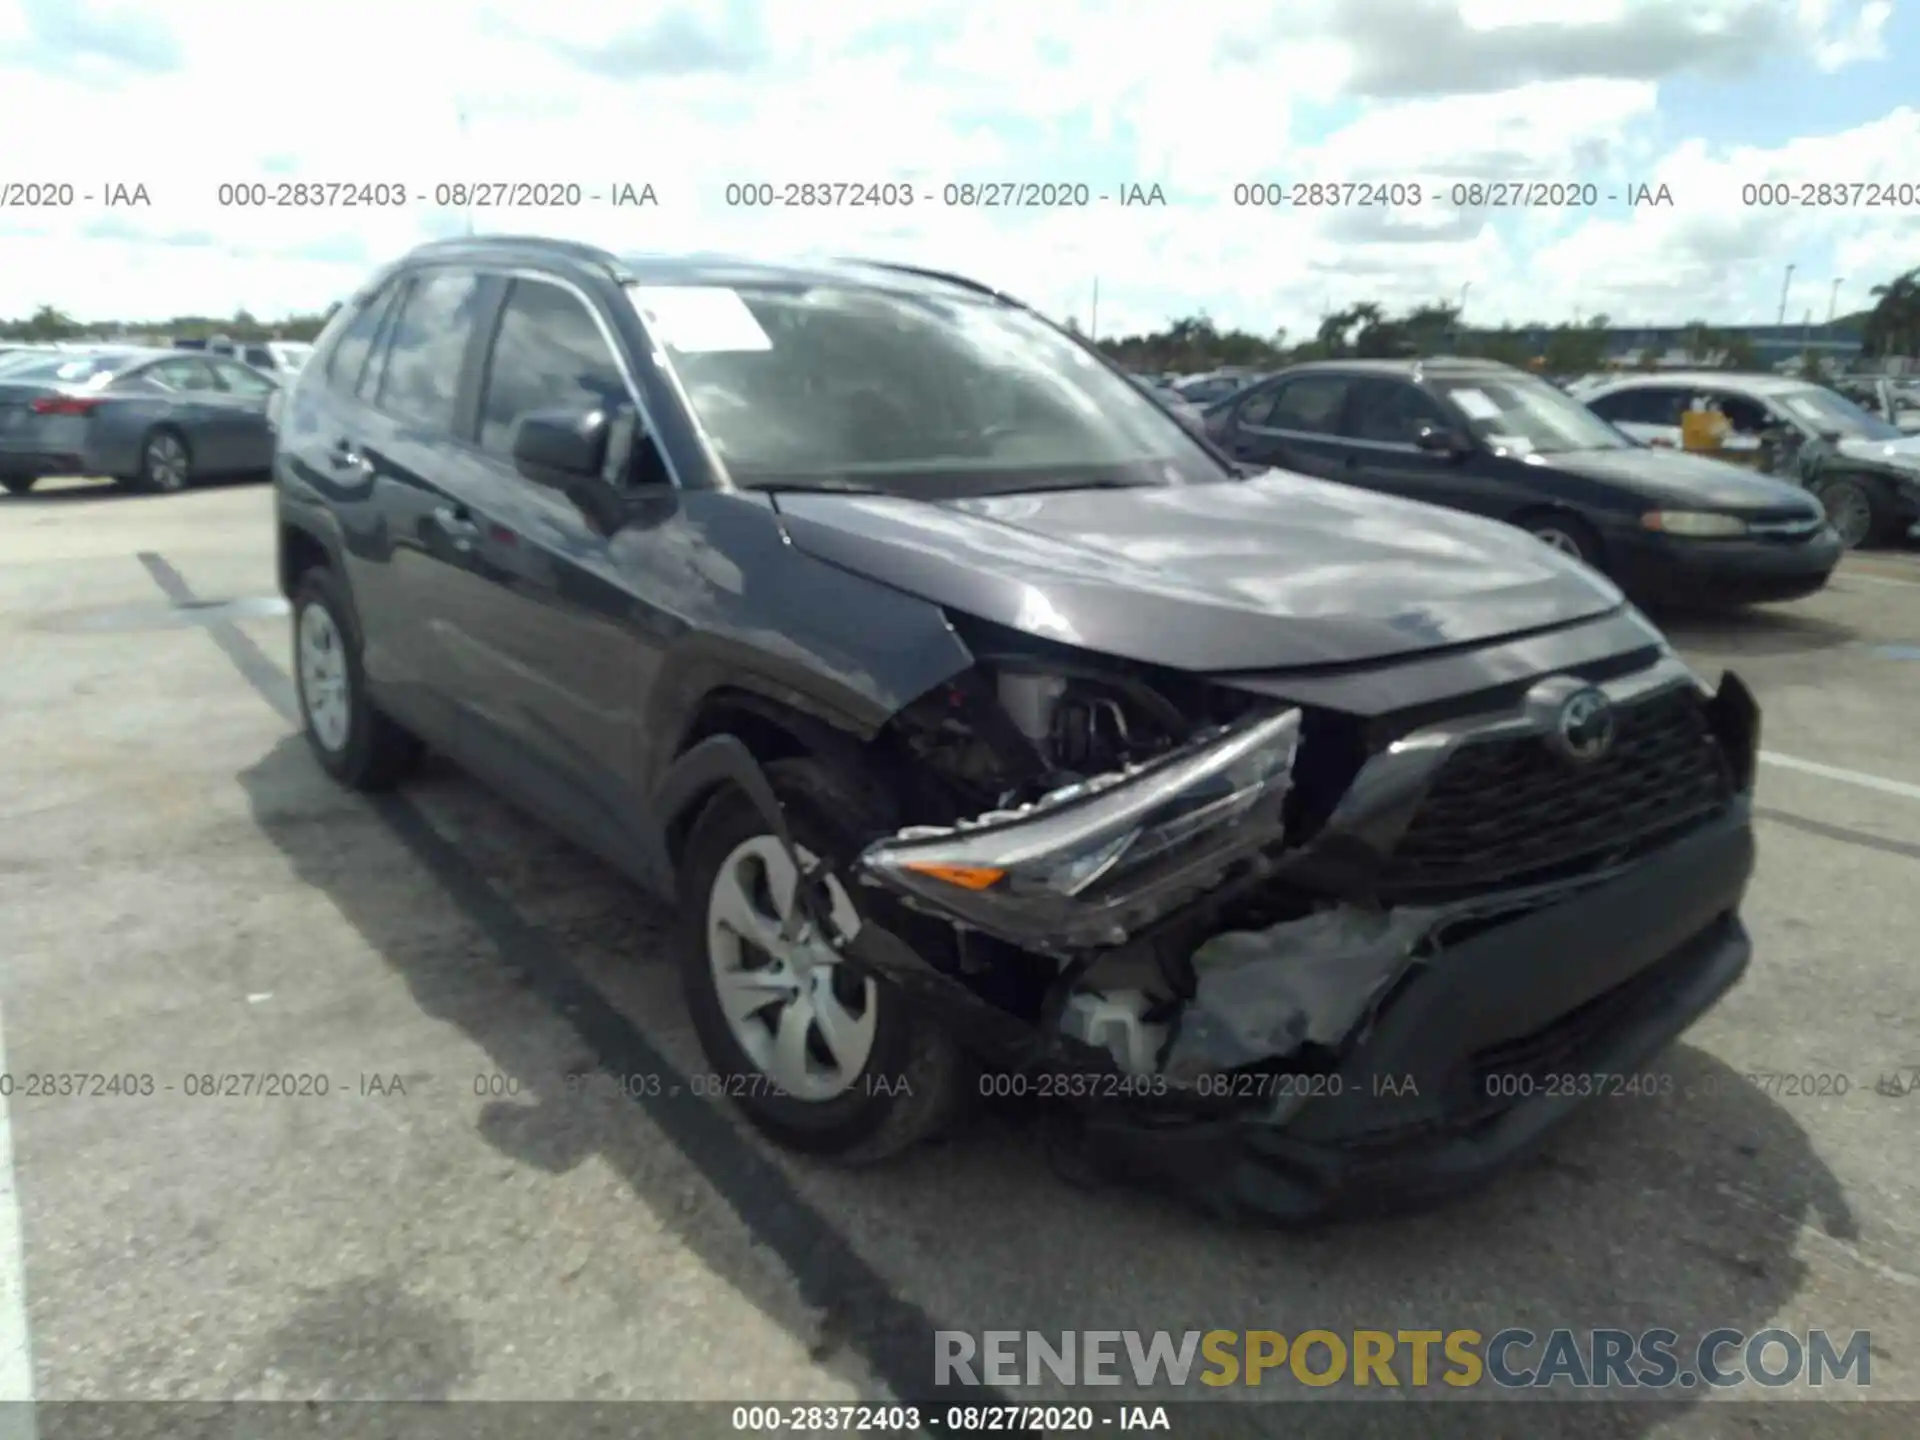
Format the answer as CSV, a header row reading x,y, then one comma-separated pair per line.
x,y
1309,849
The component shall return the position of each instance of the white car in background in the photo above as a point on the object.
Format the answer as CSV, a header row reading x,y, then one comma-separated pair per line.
x,y
1862,468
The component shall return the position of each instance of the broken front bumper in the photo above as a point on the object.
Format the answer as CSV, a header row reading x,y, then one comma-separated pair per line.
x,y
1476,1057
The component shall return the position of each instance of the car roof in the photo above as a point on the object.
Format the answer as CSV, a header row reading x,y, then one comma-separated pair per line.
x,y
1735,381
1411,368
707,267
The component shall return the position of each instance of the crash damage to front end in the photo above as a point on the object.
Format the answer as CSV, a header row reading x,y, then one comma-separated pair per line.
x,y
1291,959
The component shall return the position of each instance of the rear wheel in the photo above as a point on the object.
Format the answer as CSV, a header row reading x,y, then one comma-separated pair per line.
x,y
18,484
354,742
820,1055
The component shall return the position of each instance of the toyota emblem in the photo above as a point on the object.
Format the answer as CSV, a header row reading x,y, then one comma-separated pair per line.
x,y
1585,729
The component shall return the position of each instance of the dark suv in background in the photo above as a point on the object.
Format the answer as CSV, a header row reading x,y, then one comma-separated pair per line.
x,y
978,714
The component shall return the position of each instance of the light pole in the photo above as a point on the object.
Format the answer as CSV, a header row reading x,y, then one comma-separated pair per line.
x,y
1093,319
460,116
1785,284
1460,316
1833,300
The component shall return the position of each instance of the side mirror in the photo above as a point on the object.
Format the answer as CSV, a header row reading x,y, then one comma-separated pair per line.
x,y
1437,441
561,447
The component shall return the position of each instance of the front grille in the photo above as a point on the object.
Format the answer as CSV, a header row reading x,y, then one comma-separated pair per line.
x,y
1512,812
1793,526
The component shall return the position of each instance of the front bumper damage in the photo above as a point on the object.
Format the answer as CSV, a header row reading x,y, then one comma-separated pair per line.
x,y
1366,1053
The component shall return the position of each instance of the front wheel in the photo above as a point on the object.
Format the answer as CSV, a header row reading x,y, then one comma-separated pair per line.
x,y
166,464
1852,509
18,484
820,1056
1564,533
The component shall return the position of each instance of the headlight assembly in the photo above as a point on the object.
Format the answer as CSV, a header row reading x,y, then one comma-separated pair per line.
x,y
1694,524
1077,866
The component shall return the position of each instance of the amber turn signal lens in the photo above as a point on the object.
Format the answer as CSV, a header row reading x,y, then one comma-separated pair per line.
x,y
967,877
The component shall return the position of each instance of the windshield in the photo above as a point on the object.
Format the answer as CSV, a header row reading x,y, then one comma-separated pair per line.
x,y
914,394
1824,411
1524,416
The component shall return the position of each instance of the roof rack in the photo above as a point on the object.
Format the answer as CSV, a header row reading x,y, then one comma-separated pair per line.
x,y
1478,362
560,249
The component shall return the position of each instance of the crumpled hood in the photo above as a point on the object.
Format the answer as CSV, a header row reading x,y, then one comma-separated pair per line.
x,y
1670,478
1268,573
1903,454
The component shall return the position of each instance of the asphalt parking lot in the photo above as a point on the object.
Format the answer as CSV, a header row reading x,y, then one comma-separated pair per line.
x,y
467,1212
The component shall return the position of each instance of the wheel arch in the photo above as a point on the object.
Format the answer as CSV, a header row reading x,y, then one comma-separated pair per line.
x,y
771,728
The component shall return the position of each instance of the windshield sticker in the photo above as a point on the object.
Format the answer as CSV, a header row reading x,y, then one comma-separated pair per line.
x,y
1476,404
1512,444
1803,407
700,319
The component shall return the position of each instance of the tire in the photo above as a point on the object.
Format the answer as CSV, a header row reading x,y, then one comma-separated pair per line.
x,y
166,463
1566,533
354,743
1857,509
18,484
869,1098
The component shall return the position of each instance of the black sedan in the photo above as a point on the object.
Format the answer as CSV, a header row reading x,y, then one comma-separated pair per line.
x,y
1495,441
153,420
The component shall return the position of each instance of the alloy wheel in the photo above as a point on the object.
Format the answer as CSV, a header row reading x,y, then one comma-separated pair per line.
x,y
167,463
1849,510
1559,540
799,1013
325,690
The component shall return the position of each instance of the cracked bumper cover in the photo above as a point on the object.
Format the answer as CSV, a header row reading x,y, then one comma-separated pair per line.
x,y
1596,985
1593,976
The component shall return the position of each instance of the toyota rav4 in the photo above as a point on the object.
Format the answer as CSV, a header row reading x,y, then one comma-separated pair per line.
x,y
985,722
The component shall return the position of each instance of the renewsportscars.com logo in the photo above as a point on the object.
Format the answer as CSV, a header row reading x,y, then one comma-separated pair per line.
x,y
1513,1359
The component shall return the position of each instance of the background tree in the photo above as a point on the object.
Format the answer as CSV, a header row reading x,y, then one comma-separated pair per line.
x,y
1576,349
1893,325
1737,353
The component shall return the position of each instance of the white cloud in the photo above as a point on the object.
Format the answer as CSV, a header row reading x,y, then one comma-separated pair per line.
x,y
1193,97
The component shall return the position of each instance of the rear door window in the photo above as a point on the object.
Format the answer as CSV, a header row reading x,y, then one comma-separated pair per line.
x,y
184,375
1642,405
1390,412
427,350
1310,405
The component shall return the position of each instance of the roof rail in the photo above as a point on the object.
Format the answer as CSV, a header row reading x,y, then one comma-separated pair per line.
x,y
928,273
568,249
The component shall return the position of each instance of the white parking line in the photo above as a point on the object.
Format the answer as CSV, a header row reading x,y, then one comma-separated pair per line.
x,y
1879,580
16,1354
1846,777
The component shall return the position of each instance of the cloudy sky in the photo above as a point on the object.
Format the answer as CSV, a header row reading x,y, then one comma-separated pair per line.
x,y
1705,97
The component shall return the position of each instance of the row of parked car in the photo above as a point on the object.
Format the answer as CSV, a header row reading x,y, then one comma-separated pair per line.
x,y
150,419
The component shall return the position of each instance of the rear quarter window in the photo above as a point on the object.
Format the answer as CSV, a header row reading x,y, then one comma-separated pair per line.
x,y
348,356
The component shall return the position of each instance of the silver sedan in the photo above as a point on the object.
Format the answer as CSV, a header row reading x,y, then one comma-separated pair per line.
x,y
152,420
